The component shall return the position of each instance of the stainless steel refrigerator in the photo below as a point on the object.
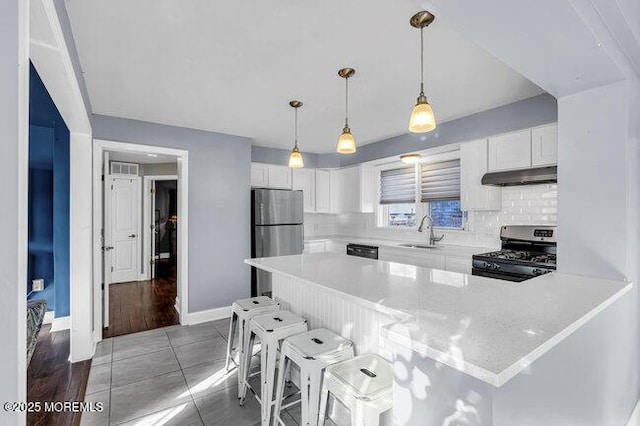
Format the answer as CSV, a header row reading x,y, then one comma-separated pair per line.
x,y
276,230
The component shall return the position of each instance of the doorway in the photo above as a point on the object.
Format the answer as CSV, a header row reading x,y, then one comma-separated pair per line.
x,y
142,261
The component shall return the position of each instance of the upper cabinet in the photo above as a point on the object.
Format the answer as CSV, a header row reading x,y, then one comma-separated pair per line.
x,y
524,149
305,180
323,191
473,165
544,145
353,190
270,176
510,151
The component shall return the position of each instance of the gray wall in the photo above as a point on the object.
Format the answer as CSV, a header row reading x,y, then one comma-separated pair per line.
x,y
535,111
219,204
13,169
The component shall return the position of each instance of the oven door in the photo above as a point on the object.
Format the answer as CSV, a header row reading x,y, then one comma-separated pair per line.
x,y
499,275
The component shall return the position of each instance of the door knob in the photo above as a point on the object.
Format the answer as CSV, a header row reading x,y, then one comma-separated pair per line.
x,y
107,248
132,235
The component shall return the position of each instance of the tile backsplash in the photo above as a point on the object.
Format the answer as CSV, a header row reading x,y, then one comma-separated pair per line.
x,y
521,205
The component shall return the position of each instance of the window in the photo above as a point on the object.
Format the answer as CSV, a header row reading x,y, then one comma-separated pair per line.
x,y
431,188
398,197
440,188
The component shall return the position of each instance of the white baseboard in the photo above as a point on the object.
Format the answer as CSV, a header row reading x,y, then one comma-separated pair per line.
x,y
634,420
48,317
59,324
209,315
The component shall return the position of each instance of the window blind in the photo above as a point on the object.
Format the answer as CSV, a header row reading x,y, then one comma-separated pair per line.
x,y
440,181
398,186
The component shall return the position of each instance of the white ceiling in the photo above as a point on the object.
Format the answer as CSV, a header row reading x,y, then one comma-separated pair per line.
x,y
232,67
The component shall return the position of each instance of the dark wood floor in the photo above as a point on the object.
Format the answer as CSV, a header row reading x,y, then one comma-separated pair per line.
x,y
141,305
51,377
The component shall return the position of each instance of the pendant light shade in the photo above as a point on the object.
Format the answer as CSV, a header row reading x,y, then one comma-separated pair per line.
x,y
295,158
346,141
422,118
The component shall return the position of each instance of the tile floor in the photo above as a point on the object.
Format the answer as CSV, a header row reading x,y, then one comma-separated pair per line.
x,y
170,376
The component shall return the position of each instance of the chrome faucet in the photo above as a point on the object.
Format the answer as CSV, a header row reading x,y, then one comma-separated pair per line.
x,y
432,238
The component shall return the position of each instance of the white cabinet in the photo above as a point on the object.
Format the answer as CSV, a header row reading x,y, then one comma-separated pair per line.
x,y
458,264
314,247
335,246
510,151
544,145
259,175
473,165
279,177
270,176
305,180
425,258
353,190
323,191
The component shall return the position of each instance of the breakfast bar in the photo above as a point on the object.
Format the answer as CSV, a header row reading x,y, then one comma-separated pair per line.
x,y
457,341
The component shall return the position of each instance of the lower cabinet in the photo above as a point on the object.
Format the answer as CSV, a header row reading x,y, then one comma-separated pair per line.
x,y
314,247
426,259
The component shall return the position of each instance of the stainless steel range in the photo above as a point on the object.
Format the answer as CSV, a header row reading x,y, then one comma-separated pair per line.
x,y
527,252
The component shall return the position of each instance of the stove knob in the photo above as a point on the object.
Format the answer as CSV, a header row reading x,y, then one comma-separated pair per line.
x,y
538,271
496,266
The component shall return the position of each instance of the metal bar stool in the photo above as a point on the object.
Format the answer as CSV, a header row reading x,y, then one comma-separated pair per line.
x,y
242,311
312,352
271,328
363,384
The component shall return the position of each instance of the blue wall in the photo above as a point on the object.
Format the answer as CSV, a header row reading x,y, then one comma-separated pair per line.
x,y
48,198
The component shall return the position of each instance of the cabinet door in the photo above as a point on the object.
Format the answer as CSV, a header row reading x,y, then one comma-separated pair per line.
x,y
259,175
279,177
305,180
473,165
314,247
510,151
350,190
544,145
458,264
323,191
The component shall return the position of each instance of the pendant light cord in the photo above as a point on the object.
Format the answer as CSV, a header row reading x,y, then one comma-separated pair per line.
x,y
421,61
296,128
346,102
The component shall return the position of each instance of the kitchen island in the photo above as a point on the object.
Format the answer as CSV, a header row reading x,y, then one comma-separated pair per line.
x,y
466,349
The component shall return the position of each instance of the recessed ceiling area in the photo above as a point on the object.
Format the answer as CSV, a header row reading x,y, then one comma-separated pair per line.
x,y
232,67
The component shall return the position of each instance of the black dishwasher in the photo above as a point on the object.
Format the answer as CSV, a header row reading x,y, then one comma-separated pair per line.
x,y
360,250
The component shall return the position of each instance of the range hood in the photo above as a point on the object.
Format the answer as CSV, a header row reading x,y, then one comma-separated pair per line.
x,y
522,177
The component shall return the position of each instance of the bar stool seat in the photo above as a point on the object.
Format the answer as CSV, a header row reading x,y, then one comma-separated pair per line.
x,y
242,311
312,352
271,328
363,384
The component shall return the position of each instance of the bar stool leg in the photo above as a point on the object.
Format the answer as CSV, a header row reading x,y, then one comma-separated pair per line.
x,y
283,366
242,343
304,398
315,377
232,329
358,416
246,361
268,382
323,406
372,418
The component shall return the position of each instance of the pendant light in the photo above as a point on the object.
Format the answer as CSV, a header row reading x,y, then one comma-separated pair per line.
x,y
346,142
295,158
422,119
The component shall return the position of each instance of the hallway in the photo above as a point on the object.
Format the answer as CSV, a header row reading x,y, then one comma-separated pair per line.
x,y
141,305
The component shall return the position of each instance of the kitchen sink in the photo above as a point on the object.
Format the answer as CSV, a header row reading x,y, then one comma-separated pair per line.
x,y
420,246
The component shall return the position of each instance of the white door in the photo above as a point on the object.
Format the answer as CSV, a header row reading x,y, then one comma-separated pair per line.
x,y
125,228
107,247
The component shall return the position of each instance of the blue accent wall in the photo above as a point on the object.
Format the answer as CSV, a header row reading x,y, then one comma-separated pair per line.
x,y
48,198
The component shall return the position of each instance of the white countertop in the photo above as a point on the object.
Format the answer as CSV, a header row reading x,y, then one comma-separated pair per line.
x,y
488,328
445,249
